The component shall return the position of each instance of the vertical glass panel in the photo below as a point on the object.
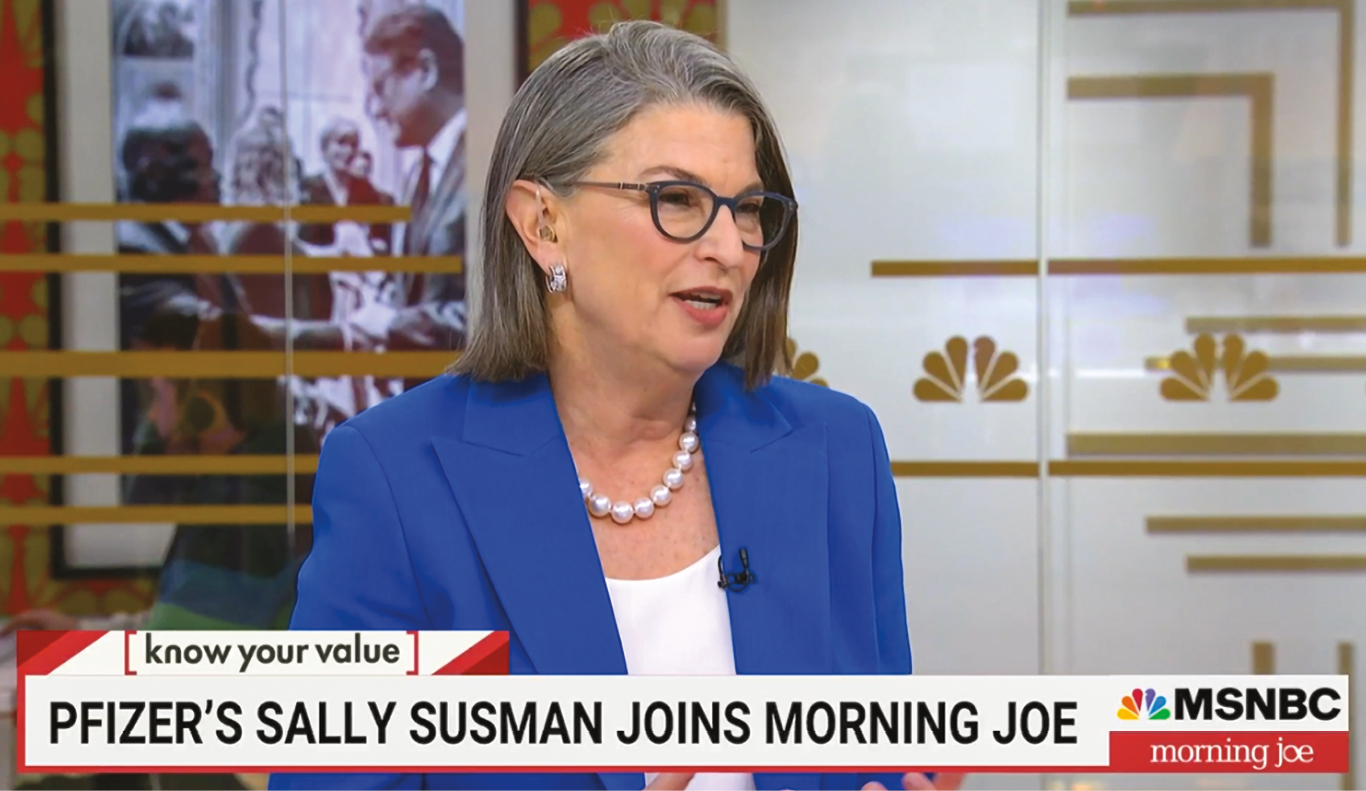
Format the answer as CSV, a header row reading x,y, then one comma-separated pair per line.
x,y
1209,391
373,95
195,124
911,132
377,118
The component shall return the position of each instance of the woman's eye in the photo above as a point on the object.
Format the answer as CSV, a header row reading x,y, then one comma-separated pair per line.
x,y
676,197
752,208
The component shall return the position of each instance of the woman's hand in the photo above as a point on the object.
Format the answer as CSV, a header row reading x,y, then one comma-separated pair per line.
x,y
673,781
39,619
915,781
353,240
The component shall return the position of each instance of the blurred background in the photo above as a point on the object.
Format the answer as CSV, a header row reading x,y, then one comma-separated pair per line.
x,y
1095,264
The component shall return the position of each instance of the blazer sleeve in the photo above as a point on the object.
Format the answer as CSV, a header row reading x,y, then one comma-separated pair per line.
x,y
359,574
889,585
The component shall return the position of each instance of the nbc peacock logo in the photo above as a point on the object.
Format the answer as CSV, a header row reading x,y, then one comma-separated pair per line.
x,y
1144,704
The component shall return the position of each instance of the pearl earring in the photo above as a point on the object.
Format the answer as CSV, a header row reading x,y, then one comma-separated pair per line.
x,y
558,280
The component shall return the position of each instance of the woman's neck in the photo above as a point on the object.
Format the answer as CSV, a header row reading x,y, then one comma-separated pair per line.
x,y
608,409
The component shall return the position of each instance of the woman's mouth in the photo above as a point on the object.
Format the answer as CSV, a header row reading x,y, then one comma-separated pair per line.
x,y
706,306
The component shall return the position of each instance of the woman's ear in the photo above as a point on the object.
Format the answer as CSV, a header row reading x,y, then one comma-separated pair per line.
x,y
534,210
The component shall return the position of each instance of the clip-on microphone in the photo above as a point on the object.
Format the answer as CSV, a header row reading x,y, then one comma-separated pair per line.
x,y
736,582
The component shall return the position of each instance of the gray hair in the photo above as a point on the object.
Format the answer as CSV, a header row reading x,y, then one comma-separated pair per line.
x,y
335,128
558,128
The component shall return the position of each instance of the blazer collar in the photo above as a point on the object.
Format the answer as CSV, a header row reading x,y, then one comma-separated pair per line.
x,y
520,417
515,483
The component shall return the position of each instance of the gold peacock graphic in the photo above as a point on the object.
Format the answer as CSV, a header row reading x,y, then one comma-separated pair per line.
x,y
1193,375
946,372
804,365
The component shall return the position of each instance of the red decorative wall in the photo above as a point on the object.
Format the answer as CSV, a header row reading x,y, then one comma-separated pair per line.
x,y
552,23
25,419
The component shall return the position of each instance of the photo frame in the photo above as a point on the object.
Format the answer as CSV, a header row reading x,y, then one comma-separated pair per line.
x,y
543,26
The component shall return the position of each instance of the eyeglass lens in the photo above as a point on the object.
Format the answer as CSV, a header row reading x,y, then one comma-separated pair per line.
x,y
685,209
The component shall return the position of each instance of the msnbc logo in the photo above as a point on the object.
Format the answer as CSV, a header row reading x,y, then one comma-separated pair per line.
x,y
1144,705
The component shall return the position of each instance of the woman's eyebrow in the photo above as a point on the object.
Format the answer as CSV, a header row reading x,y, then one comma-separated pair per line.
x,y
676,172
688,175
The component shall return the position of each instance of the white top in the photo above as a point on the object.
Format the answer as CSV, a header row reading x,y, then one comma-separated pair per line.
x,y
679,625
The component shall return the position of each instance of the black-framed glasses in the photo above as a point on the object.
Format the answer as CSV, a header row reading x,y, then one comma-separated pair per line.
x,y
684,210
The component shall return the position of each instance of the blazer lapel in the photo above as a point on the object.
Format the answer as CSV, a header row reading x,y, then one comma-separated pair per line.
x,y
515,483
769,486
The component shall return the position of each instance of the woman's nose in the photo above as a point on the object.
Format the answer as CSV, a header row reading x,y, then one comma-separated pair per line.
x,y
724,233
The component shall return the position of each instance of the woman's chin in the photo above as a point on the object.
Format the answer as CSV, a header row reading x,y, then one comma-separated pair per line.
x,y
695,361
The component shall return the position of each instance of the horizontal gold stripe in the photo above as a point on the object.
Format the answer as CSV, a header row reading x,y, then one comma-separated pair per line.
x,y
1067,267
1206,266
308,464
1198,563
1180,444
229,515
1135,7
1256,524
955,268
222,365
1120,468
263,264
1313,363
1123,468
1289,363
157,465
1275,324
1166,85
197,212
965,469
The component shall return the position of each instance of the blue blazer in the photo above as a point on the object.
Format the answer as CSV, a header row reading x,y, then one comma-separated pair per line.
x,y
456,506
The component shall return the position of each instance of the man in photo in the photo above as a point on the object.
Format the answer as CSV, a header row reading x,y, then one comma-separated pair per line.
x,y
414,61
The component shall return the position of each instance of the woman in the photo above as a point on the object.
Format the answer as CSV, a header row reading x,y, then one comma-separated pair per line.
x,y
639,236
337,185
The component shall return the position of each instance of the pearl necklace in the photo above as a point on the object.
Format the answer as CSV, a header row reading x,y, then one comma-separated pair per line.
x,y
601,505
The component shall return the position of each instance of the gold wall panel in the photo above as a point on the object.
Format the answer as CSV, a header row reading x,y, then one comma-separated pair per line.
x,y
1263,658
262,264
1257,88
1259,265
199,212
1131,468
1278,325
177,464
228,515
1275,563
1346,29
1291,363
224,365
1256,524
1214,444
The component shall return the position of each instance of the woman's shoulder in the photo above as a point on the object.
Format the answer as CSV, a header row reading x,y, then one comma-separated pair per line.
x,y
805,402
801,405
433,408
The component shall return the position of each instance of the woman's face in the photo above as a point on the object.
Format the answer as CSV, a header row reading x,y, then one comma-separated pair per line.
x,y
341,149
636,295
